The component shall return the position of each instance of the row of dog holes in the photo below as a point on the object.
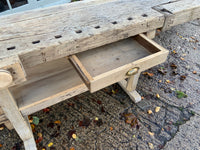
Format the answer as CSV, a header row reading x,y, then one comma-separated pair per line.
x,y
78,31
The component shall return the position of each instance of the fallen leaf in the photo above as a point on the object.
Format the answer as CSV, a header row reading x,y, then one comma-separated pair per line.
x,y
194,72
114,91
151,133
1,128
70,133
162,129
131,119
72,148
39,134
1,145
111,128
160,81
157,95
70,104
182,58
173,66
162,70
50,144
133,136
149,112
157,109
33,127
57,122
167,81
36,120
192,37
183,77
151,146
85,123
142,97
74,136
96,119
46,110
181,94
148,74
39,140
174,52
43,148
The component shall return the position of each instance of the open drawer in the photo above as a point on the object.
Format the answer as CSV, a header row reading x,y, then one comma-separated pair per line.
x,y
103,66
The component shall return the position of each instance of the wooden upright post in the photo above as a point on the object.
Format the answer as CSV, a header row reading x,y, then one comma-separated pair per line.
x,y
10,108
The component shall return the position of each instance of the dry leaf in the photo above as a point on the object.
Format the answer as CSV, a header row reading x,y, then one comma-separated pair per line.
x,y
1,128
194,72
149,112
72,148
157,95
39,134
74,136
50,144
151,146
157,109
168,81
174,51
96,119
57,122
183,77
142,97
148,74
111,128
151,133
182,58
1,145
162,129
160,81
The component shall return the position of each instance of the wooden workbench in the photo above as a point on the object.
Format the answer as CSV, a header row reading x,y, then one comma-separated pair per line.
x,y
49,55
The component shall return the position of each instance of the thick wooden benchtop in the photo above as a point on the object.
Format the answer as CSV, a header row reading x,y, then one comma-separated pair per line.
x,y
43,35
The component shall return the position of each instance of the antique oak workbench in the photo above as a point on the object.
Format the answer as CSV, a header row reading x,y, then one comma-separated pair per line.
x,y
49,55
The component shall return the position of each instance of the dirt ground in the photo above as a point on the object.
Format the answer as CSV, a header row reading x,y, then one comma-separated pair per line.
x,y
109,120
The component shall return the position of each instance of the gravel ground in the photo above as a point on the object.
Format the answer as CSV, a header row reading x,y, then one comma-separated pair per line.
x,y
175,126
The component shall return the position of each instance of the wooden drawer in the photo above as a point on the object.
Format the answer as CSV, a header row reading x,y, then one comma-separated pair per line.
x,y
103,66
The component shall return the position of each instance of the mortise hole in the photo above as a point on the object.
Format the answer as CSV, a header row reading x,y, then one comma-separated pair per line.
x,y
97,27
36,42
58,36
144,15
78,31
11,48
129,18
115,22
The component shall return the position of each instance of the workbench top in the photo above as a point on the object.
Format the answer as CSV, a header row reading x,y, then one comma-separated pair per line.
x,y
41,35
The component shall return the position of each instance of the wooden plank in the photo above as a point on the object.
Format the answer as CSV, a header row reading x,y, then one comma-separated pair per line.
x,y
179,12
86,77
37,43
40,94
11,111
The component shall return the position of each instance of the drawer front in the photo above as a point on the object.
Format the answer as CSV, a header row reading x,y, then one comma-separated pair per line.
x,y
84,62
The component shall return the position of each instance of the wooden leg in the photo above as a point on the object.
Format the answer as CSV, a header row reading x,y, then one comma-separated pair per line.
x,y
21,126
151,34
130,86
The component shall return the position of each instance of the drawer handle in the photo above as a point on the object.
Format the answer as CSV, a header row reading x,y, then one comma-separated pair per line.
x,y
132,71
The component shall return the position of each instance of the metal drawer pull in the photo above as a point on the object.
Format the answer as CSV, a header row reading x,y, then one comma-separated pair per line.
x,y
132,71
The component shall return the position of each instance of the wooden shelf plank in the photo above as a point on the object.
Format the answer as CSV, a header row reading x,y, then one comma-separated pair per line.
x,y
40,94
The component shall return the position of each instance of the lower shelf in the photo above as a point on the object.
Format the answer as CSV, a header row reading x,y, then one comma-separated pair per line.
x,y
35,96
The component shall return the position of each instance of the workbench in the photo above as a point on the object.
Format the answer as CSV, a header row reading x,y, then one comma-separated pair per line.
x,y
52,54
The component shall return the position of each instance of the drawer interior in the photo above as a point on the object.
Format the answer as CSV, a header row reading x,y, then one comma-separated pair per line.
x,y
47,84
112,56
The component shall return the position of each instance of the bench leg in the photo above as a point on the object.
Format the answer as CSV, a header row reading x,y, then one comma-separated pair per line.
x,y
151,34
20,124
130,86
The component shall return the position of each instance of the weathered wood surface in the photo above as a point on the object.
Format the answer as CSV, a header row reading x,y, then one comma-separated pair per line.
x,y
42,35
